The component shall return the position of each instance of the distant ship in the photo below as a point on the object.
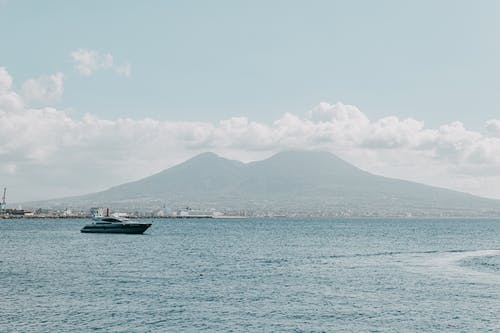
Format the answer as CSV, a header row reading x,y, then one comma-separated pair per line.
x,y
114,225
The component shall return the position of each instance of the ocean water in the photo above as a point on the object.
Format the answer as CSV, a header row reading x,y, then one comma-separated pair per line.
x,y
252,275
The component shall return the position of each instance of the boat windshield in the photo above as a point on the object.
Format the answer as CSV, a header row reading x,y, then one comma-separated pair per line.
x,y
110,219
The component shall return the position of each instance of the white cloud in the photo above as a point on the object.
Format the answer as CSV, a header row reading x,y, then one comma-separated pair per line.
x,y
5,80
123,69
493,127
390,133
45,89
45,150
9,100
339,112
89,61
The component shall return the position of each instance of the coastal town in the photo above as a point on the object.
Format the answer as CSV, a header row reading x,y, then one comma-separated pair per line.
x,y
44,213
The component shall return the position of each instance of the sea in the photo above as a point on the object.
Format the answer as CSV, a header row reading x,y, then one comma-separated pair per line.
x,y
252,275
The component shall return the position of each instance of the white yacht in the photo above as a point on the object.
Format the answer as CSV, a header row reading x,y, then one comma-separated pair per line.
x,y
114,225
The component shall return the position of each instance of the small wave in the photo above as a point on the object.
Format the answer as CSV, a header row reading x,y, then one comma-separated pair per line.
x,y
381,254
448,264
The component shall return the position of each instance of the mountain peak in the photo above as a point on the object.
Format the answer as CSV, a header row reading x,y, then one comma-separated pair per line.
x,y
312,160
305,154
208,159
206,155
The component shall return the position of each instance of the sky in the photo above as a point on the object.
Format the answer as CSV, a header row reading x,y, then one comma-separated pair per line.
x,y
97,93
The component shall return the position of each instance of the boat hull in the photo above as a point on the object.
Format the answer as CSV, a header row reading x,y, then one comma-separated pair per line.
x,y
125,228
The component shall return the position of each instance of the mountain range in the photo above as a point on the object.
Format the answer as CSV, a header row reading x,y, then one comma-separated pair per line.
x,y
292,183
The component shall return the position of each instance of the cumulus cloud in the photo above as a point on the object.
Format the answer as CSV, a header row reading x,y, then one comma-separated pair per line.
x,y
493,127
9,100
5,80
45,89
89,61
391,132
123,69
42,148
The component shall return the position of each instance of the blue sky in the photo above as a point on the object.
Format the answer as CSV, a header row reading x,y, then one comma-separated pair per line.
x,y
398,88
435,61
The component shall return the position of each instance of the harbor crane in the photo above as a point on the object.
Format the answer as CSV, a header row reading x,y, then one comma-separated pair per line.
x,y
3,205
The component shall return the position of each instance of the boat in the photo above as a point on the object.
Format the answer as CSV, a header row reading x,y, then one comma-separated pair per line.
x,y
114,225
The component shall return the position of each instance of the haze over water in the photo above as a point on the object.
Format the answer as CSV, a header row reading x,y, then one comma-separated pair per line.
x,y
252,275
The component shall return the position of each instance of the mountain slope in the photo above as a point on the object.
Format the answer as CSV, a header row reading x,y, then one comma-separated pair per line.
x,y
296,182
204,173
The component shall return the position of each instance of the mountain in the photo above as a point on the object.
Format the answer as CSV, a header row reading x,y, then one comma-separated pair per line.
x,y
292,182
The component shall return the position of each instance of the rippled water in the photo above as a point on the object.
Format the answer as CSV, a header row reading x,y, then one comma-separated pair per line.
x,y
253,275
